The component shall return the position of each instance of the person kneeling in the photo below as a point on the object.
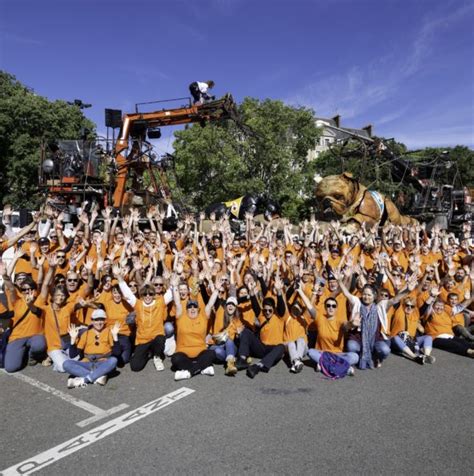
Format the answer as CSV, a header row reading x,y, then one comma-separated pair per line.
x,y
99,347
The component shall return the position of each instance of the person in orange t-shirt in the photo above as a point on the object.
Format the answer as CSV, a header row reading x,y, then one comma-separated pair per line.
x,y
26,326
99,348
269,345
192,357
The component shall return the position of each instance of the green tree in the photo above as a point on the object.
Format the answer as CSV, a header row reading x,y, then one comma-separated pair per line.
x,y
268,154
26,121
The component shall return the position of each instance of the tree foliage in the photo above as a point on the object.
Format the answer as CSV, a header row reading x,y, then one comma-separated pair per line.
x,y
26,121
268,154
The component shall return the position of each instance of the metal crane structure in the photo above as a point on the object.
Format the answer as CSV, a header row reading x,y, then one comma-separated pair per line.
x,y
129,172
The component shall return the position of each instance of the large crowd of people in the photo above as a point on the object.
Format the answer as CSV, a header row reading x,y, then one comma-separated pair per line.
x,y
115,291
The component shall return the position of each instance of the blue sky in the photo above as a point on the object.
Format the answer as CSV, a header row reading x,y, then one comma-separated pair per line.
x,y
405,66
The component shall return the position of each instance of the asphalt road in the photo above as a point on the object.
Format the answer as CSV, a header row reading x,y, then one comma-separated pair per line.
x,y
400,419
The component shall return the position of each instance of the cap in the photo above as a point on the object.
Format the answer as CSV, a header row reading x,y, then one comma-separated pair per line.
x,y
192,303
231,300
43,241
99,314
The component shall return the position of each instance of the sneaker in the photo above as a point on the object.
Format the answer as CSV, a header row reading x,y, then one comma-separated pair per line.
x,y
208,371
293,369
298,366
230,369
32,362
78,382
253,370
47,362
318,368
378,364
158,363
101,380
429,359
70,382
170,346
419,359
241,364
351,371
182,375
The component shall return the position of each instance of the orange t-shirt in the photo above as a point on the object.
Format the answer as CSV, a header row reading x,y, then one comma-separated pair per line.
x,y
271,331
63,316
439,323
191,334
403,322
31,325
330,336
150,320
93,342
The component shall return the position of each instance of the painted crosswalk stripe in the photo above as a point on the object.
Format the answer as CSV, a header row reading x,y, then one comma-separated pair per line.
x,y
98,413
73,445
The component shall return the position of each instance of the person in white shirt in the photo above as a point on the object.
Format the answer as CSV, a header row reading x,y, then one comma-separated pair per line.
x,y
199,91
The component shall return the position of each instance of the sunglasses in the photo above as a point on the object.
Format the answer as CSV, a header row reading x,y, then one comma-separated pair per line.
x,y
192,306
60,256
26,290
148,294
53,237
331,306
70,280
409,306
157,284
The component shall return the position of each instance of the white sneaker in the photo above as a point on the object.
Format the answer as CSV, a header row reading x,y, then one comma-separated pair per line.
x,y
208,371
318,368
351,371
182,375
78,382
158,363
293,369
101,380
70,382
170,346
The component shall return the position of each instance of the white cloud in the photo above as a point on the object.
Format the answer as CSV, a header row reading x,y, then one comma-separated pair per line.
x,y
362,87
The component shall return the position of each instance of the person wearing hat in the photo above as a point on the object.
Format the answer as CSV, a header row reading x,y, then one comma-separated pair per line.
x,y
199,91
192,357
99,348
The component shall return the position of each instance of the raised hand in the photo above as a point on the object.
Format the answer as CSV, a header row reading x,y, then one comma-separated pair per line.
x,y
115,331
73,332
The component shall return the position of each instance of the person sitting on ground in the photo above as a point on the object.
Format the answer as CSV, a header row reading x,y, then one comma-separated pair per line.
x,y
199,91
268,346
369,337
99,347
439,325
27,336
331,329
405,324
192,357
150,316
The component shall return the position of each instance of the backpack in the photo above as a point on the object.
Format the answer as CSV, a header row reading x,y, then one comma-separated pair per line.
x,y
333,366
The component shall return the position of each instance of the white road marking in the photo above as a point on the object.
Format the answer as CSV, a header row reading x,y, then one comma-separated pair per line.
x,y
103,414
52,455
88,407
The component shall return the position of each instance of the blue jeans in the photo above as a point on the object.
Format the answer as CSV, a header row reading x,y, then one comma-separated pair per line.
x,y
382,348
351,357
424,342
16,350
90,371
225,351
